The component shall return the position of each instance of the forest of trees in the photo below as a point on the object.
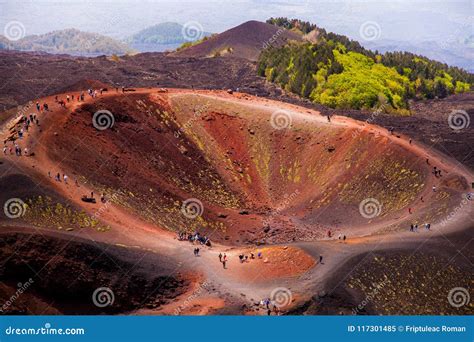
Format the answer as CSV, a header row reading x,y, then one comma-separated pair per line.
x,y
340,73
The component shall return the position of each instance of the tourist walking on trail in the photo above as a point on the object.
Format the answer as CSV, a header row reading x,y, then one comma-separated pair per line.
x,y
224,261
320,259
65,177
220,257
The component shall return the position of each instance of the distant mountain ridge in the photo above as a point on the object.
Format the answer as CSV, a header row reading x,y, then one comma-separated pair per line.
x,y
161,35
68,41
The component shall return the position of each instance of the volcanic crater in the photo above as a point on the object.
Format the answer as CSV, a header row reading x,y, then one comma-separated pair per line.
x,y
254,169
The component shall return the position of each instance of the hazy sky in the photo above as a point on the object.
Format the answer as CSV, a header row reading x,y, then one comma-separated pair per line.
x,y
410,20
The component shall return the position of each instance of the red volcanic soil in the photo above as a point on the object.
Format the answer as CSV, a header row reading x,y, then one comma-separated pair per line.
x,y
276,262
250,179
241,170
244,41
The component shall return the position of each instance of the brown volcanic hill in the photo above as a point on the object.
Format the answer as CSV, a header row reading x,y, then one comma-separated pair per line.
x,y
244,41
